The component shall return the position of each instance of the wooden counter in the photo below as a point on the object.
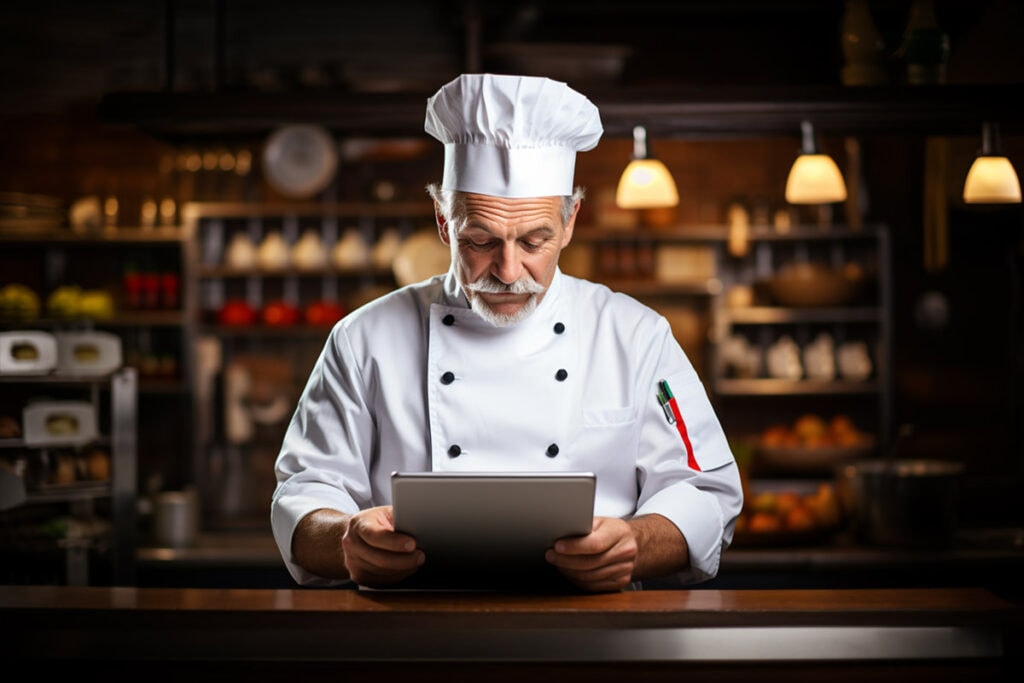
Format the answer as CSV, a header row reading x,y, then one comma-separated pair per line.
x,y
946,634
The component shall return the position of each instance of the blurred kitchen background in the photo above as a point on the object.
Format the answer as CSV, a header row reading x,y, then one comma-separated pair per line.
x,y
214,183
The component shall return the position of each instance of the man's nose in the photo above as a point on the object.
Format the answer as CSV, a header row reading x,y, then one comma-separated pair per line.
x,y
507,265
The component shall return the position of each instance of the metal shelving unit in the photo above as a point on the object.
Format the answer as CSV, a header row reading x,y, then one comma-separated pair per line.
x,y
116,397
230,484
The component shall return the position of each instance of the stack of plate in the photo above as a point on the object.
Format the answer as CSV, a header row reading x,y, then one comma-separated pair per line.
x,y
29,213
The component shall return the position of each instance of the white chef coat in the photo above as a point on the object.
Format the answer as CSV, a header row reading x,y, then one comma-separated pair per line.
x,y
415,381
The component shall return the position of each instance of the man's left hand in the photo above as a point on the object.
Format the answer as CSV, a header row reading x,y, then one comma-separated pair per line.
x,y
602,561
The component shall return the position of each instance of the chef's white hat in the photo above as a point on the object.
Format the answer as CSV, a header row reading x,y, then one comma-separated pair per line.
x,y
511,136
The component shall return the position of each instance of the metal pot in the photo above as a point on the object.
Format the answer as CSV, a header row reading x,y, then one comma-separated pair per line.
x,y
176,518
906,503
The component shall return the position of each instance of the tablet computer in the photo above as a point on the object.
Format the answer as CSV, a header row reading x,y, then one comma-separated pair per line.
x,y
491,530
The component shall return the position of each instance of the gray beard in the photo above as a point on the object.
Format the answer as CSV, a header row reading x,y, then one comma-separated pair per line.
x,y
487,284
502,319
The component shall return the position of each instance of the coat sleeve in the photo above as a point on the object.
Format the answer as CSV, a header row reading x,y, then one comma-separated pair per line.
x,y
324,457
685,468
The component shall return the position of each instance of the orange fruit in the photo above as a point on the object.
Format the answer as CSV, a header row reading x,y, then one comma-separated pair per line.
x,y
810,424
800,518
761,522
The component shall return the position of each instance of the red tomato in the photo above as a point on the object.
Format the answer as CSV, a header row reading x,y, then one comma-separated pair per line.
x,y
280,313
324,313
236,312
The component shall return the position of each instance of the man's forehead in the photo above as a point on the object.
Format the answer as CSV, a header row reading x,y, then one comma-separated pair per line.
x,y
489,207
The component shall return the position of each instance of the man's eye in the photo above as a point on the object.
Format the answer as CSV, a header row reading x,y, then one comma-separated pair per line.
x,y
479,245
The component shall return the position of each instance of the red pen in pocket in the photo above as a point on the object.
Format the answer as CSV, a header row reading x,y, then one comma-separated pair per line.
x,y
672,414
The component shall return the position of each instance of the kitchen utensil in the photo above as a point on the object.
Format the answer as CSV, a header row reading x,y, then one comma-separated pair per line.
x,y
804,285
904,503
783,359
421,255
351,251
300,160
273,254
854,360
820,358
27,352
383,253
87,353
176,518
12,487
238,426
309,252
59,423
241,252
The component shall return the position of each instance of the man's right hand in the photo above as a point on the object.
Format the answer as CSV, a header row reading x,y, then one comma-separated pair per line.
x,y
363,547
375,554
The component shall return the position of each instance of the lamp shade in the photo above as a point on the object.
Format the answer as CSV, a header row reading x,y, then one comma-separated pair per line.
x,y
815,179
646,183
991,178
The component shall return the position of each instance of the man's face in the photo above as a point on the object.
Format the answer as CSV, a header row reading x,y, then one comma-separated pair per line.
x,y
506,252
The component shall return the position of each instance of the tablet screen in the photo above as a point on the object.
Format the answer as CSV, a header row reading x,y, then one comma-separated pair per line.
x,y
491,529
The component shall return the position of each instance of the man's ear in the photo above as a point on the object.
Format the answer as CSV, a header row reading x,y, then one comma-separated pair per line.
x,y
442,225
570,224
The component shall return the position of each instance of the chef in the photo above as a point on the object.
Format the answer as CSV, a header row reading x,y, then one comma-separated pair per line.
x,y
504,363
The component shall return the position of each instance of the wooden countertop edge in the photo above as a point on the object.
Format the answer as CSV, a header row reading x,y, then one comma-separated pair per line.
x,y
46,607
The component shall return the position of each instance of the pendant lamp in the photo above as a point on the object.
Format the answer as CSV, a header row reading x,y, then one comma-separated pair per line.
x,y
646,183
991,178
815,178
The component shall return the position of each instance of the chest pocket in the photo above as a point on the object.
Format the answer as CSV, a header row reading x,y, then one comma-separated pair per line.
x,y
613,417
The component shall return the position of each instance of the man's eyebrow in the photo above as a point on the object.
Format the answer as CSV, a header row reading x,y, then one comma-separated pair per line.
x,y
545,229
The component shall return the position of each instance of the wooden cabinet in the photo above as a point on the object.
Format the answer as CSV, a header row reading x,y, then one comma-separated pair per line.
x,y
735,325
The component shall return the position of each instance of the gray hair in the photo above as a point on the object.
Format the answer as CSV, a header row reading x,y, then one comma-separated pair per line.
x,y
452,203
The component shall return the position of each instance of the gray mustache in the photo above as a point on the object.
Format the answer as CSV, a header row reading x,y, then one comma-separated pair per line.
x,y
491,285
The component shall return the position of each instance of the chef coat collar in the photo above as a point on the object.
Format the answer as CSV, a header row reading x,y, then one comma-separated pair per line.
x,y
454,296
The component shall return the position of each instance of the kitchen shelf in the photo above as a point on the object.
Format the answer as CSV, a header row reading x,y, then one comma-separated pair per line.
x,y
227,210
69,493
287,350
228,273
129,318
267,331
118,392
745,404
56,378
143,319
651,287
714,234
63,236
779,387
773,315
155,337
